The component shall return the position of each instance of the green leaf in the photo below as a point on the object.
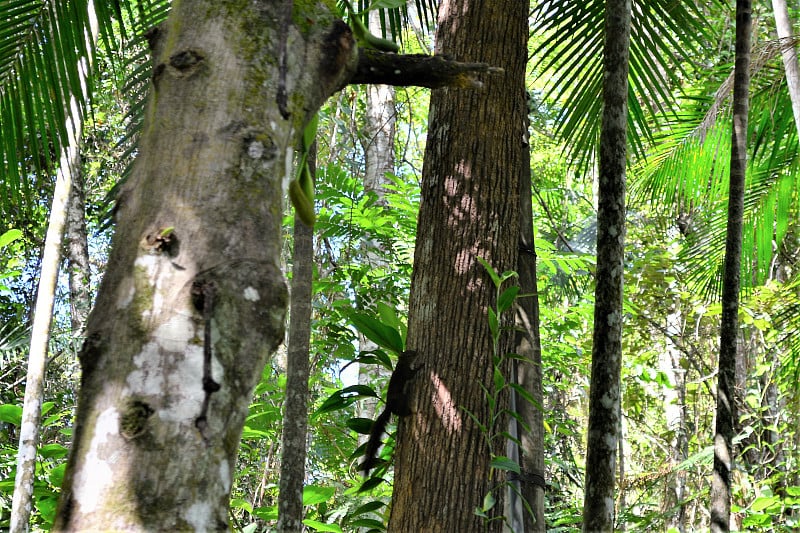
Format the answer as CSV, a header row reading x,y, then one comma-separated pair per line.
x,y
56,476
499,380
762,503
345,397
504,463
370,484
9,236
376,331
310,132
361,426
11,414
53,451
368,507
371,523
506,299
493,325
488,502
321,526
266,513
238,503
314,494
490,271
386,4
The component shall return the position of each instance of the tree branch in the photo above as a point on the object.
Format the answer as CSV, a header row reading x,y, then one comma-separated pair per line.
x,y
417,70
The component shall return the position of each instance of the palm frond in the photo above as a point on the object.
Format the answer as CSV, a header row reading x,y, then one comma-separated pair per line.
x,y
688,174
41,47
664,33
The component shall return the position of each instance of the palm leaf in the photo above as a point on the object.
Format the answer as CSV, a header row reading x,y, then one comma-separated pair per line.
x,y
41,43
570,53
689,174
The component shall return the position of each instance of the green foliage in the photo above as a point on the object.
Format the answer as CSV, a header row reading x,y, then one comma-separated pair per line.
x,y
50,464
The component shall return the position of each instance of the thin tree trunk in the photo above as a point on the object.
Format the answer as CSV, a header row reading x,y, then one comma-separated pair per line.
x,y
729,327
78,254
604,394
783,26
529,366
68,170
675,415
378,143
469,210
295,415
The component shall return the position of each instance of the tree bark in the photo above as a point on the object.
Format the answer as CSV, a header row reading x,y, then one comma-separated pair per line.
x,y
295,414
726,418
604,392
469,210
783,25
529,366
193,301
78,255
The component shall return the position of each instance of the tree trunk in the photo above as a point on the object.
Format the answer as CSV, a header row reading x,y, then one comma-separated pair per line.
x,y
529,366
78,255
378,143
68,169
604,393
295,413
783,25
469,210
729,327
675,415
193,301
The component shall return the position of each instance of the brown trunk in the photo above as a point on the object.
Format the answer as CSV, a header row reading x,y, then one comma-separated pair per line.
x,y
729,327
476,146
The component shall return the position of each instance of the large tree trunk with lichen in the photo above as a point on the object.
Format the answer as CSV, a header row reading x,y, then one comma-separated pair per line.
x,y
193,301
469,210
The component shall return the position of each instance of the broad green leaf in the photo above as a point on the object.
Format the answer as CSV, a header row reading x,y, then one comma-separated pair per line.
x,y
321,526
11,414
314,494
368,507
506,299
504,463
9,236
376,331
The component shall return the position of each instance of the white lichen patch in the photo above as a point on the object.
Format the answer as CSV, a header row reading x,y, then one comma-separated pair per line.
x,y
255,150
148,377
95,474
251,294
174,334
147,262
198,515
607,401
225,474
185,386
125,293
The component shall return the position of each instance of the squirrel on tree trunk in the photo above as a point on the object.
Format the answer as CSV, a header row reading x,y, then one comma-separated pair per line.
x,y
397,402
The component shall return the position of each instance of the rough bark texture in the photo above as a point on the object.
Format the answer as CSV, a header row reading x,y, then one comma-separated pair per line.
x,y
295,411
529,367
78,256
193,300
604,393
729,327
469,209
